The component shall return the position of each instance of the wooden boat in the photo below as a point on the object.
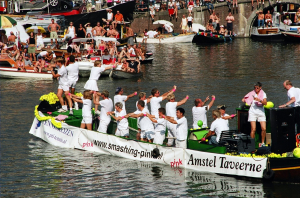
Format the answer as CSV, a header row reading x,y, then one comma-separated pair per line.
x,y
8,70
125,75
181,38
292,37
205,37
198,156
267,34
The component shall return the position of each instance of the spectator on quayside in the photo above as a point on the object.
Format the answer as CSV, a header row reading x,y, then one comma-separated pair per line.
x,y
287,21
230,20
171,112
293,95
234,2
122,98
214,19
63,85
191,5
216,128
129,35
253,4
142,7
156,100
257,99
199,111
119,19
190,22
122,122
229,5
152,11
160,126
53,28
110,16
106,106
145,125
181,127
210,6
268,19
260,19
183,24
98,30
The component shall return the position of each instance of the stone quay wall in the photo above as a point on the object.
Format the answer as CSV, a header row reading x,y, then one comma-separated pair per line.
x,y
241,26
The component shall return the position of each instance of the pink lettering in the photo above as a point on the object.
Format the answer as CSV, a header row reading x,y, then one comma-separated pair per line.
x,y
176,163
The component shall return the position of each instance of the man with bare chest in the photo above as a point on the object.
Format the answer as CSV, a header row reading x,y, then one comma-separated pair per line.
x,y
100,31
214,19
129,35
111,32
53,28
260,19
12,38
268,19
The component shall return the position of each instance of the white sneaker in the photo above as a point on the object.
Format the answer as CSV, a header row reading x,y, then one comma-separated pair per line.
x,y
61,110
71,112
97,112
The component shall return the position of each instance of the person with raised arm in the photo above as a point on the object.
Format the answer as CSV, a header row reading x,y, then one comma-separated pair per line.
x,y
199,111
63,85
224,115
73,71
122,98
160,126
145,125
91,84
181,128
257,99
156,99
122,122
106,106
171,112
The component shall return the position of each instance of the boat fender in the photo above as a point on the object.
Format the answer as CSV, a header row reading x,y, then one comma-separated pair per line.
x,y
268,174
155,153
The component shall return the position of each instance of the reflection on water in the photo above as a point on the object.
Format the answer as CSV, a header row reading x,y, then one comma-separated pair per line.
x,y
30,167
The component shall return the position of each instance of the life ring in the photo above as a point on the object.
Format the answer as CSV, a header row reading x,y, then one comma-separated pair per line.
x,y
65,7
268,174
53,3
155,153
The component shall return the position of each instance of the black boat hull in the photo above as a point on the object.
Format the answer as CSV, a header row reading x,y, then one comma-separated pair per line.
x,y
268,38
211,38
125,75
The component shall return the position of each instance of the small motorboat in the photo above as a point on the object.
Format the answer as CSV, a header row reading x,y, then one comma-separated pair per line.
x,y
291,36
271,34
117,74
206,37
8,70
169,38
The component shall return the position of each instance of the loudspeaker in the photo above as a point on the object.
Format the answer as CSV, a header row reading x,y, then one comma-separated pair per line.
x,y
244,126
297,119
44,106
283,130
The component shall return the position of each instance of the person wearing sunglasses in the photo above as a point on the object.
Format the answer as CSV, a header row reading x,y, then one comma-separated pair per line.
x,y
257,99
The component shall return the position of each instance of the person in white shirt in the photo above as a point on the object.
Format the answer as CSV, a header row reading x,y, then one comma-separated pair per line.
x,y
73,71
152,34
190,22
106,106
199,111
224,115
86,100
216,128
142,96
257,99
122,122
145,124
63,85
168,28
122,98
131,50
156,100
171,112
181,128
293,95
160,126
91,84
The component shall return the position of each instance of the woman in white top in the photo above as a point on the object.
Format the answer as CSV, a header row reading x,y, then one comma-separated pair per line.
x,y
88,28
119,64
71,31
39,40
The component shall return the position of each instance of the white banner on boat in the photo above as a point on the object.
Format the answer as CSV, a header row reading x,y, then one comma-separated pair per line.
x,y
74,137
225,164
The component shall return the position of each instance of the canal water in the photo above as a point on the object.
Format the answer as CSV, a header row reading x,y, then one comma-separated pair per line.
x,y
30,167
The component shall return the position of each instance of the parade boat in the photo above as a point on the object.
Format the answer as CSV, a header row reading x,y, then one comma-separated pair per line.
x,y
169,38
8,69
207,37
231,157
292,37
271,34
